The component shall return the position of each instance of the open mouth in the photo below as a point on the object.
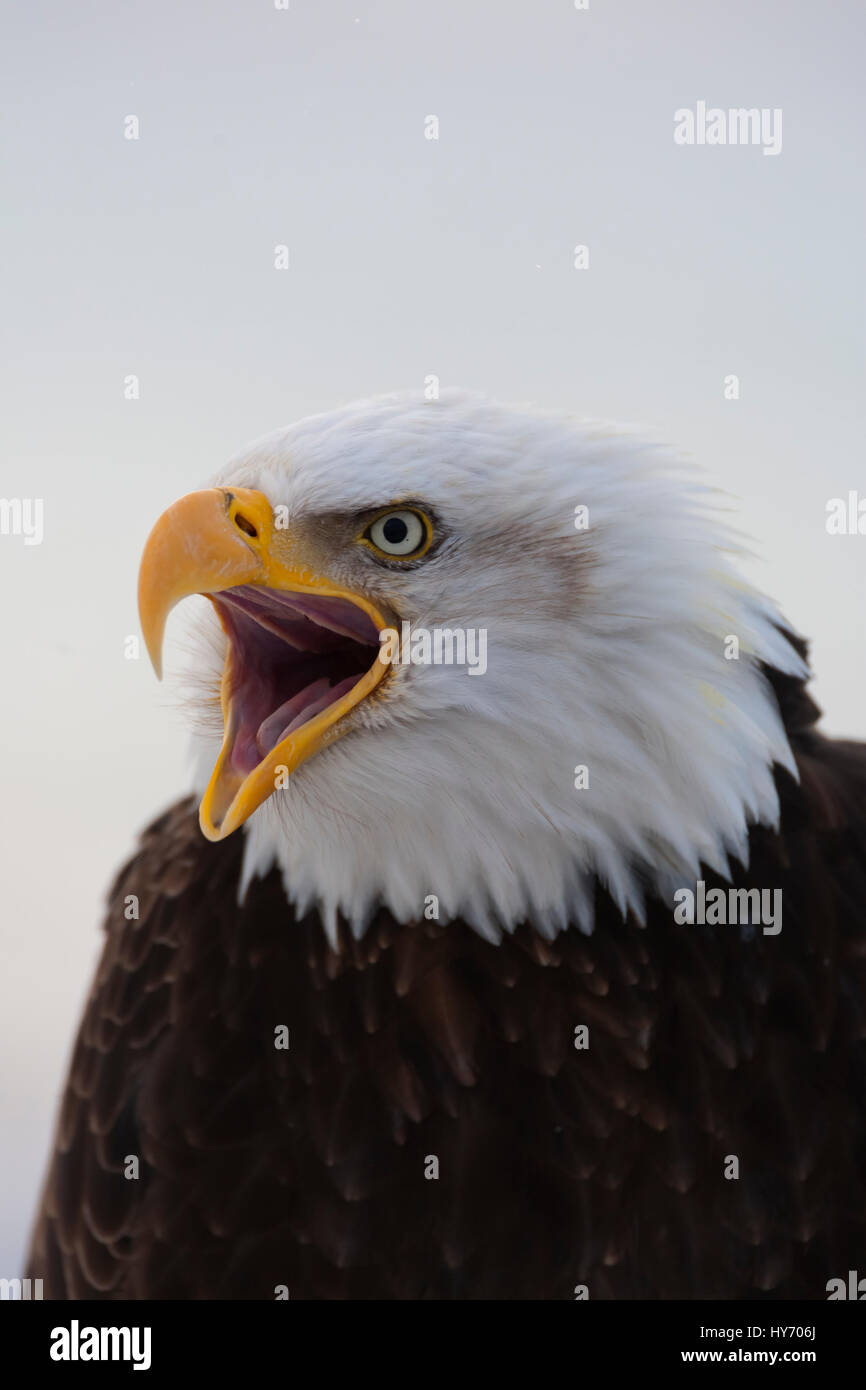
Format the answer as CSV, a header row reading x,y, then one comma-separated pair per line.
x,y
297,663
303,650
292,659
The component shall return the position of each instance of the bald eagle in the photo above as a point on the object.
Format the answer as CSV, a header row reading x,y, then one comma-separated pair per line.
x,y
540,977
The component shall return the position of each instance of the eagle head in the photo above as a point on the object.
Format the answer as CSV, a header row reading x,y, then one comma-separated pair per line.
x,y
486,655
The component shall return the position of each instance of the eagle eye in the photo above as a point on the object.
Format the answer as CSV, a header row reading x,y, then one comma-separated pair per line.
x,y
399,534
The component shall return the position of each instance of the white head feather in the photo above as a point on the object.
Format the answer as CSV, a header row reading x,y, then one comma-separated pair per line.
x,y
606,649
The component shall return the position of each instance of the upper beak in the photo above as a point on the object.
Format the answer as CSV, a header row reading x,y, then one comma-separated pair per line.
x,y
211,541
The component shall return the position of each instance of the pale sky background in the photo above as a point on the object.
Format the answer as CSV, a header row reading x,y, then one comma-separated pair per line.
x,y
408,257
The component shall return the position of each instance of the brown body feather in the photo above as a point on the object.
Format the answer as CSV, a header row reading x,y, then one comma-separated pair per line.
x,y
305,1167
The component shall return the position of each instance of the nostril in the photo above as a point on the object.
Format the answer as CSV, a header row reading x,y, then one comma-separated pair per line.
x,y
243,525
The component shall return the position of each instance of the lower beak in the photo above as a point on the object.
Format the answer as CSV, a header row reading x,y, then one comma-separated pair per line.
x,y
210,542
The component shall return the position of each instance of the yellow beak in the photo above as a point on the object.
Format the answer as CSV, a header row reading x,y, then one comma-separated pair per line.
x,y
216,540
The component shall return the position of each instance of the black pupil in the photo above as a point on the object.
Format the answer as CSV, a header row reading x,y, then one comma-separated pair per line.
x,y
395,530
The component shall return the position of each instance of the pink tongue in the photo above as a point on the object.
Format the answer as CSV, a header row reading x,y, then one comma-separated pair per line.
x,y
268,735
299,710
